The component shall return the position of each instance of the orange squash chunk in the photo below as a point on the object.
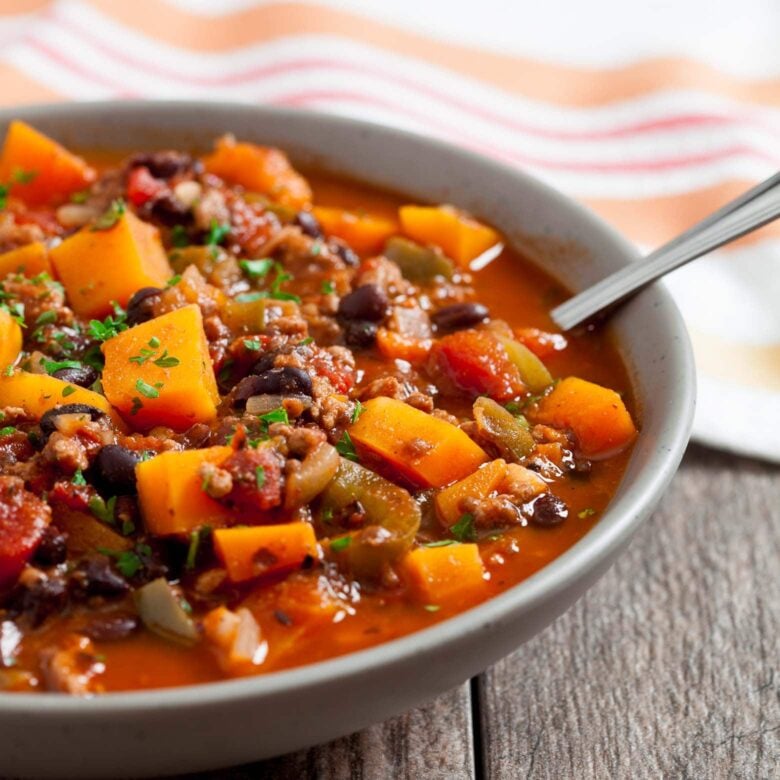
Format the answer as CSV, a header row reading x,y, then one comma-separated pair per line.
x,y
459,236
480,484
428,451
10,339
160,372
30,260
101,266
365,233
260,169
445,575
258,550
37,393
55,172
171,496
596,415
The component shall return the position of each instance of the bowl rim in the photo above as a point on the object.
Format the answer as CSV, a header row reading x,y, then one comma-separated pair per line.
x,y
616,526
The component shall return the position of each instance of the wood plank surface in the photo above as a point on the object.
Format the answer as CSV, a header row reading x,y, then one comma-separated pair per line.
x,y
669,667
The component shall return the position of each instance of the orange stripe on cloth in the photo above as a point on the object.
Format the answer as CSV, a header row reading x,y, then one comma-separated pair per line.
x,y
542,81
652,221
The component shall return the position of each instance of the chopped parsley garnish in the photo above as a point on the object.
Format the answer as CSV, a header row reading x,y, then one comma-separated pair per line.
x,y
69,390
111,216
327,287
275,415
346,448
464,530
166,361
179,237
340,543
256,269
196,537
253,345
305,342
111,326
587,512
46,317
217,234
79,197
9,370
50,366
16,310
154,342
78,478
259,476
103,510
20,176
129,562
250,297
174,280
7,431
440,543
356,412
147,390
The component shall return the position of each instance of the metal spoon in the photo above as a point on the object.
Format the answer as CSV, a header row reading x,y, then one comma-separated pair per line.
x,y
746,213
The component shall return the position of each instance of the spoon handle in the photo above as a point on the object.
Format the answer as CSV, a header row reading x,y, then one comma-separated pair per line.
x,y
746,213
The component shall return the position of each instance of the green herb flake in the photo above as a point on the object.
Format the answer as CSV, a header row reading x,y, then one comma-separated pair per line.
x,y
356,412
9,370
259,476
7,431
340,543
256,269
78,478
16,310
136,407
346,448
110,326
196,537
46,318
440,543
588,512
179,237
20,176
173,281
103,510
217,234
327,287
253,345
50,366
79,197
129,562
146,389
166,361
464,530
278,415
111,216
69,390
250,297
128,526
305,342
154,342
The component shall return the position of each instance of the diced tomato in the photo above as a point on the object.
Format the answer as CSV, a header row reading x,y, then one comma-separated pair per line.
x,y
477,363
540,342
23,519
396,346
142,186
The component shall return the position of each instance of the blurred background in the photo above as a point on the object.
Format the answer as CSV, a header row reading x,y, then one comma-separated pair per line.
x,y
652,113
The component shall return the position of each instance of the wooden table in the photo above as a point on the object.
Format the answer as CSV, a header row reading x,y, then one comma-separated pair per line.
x,y
668,668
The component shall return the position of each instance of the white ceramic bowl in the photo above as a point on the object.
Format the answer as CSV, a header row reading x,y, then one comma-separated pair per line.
x,y
227,723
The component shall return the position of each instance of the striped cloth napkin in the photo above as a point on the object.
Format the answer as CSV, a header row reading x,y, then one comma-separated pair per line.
x,y
653,114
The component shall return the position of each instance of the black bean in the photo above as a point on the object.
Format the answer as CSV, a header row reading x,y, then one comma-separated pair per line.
x,y
366,303
360,334
52,548
162,165
114,469
283,381
340,249
459,316
44,597
108,628
548,510
83,376
140,307
95,577
170,210
47,421
308,224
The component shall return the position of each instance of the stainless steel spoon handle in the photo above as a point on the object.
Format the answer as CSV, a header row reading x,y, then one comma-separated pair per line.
x,y
746,213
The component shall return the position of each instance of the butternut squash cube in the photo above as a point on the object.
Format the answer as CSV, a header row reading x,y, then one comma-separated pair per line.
x,y
10,339
428,451
30,260
480,484
37,393
460,236
101,266
40,171
365,233
255,551
171,495
596,415
260,169
445,575
160,372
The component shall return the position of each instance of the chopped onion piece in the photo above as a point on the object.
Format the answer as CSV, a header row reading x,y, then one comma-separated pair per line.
x,y
162,612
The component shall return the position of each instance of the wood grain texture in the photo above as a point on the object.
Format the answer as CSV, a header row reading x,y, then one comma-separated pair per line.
x,y
669,667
